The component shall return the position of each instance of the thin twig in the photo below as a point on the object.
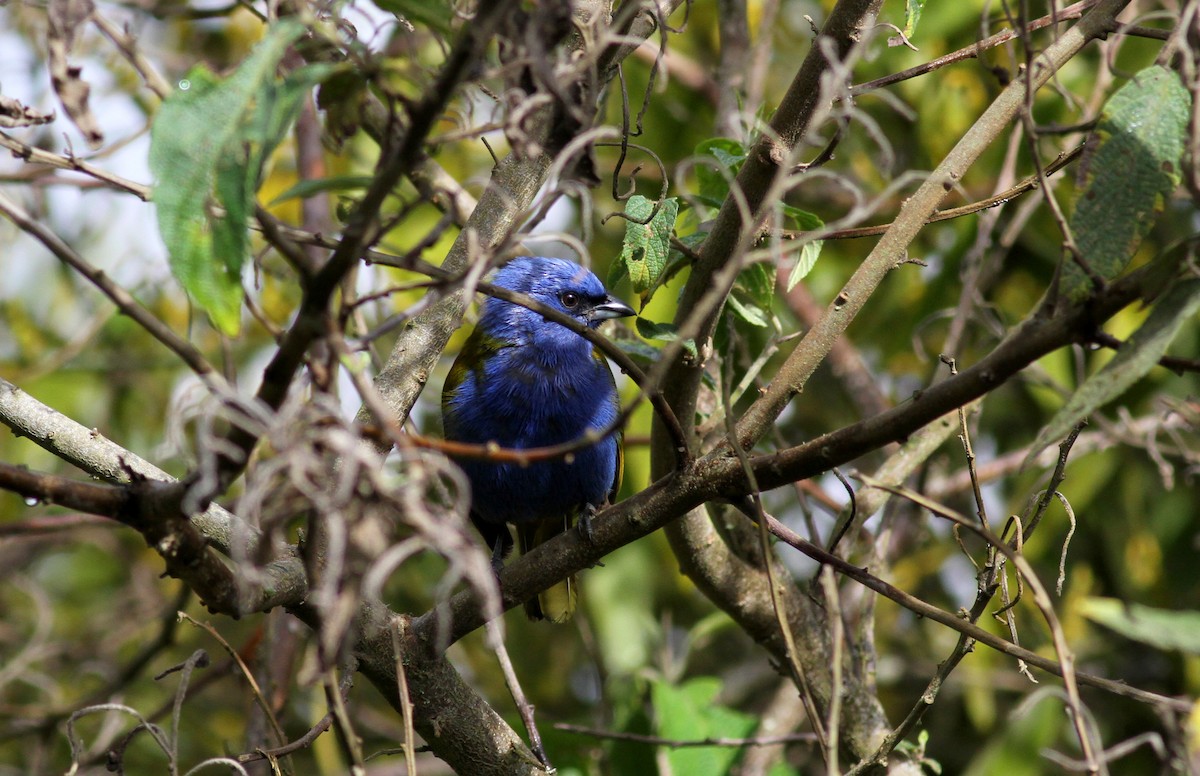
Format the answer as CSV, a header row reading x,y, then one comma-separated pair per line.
x,y
73,163
349,740
116,294
837,635
1176,364
1030,183
753,507
127,45
495,640
409,745
255,690
956,623
975,49
303,742
1066,660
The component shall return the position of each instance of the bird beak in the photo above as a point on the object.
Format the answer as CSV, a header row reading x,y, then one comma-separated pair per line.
x,y
611,307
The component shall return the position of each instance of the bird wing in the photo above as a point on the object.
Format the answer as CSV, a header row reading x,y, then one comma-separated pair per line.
x,y
620,468
619,435
471,359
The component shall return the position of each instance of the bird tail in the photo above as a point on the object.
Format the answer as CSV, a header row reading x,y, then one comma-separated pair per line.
x,y
556,603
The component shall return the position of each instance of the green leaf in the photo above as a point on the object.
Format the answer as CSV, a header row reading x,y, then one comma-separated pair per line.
x,y
755,316
616,271
642,354
208,147
664,332
805,261
313,186
809,251
712,183
757,282
646,246
688,712
912,15
1134,359
1130,173
802,219
1161,628
752,295
437,14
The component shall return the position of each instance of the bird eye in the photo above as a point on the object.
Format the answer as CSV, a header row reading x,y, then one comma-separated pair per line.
x,y
569,299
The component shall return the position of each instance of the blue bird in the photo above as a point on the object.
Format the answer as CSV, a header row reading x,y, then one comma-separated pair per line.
x,y
523,381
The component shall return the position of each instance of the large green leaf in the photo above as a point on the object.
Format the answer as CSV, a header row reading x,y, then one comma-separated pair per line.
x,y
1133,167
688,712
1160,628
208,147
1134,359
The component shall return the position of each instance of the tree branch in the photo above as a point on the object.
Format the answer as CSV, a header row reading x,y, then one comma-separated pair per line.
x,y
717,476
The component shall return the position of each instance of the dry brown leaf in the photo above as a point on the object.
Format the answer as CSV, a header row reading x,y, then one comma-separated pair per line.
x,y
13,114
66,17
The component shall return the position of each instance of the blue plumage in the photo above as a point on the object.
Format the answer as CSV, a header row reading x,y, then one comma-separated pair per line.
x,y
522,381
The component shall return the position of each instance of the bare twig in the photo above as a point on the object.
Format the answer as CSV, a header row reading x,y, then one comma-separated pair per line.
x,y
954,622
75,164
1069,13
259,698
118,295
754,508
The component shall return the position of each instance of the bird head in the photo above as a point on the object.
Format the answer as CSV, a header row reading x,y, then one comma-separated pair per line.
x,y
557,283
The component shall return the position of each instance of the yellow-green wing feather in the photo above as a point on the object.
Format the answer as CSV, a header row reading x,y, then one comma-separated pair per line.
x,y
557,602
474,354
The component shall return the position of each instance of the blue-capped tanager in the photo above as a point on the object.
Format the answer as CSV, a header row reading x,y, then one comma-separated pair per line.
x,y
523,381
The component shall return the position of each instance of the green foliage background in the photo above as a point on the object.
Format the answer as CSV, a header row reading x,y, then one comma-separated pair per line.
x,y
651,655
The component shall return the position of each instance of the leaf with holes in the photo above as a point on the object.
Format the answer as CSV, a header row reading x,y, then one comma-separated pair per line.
x,y
647,241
